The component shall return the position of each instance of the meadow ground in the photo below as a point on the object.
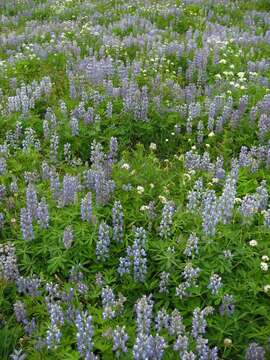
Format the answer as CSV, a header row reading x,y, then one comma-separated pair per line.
x,y
134,179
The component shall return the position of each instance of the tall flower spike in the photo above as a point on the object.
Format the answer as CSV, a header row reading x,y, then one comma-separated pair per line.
x,y
255,352
18,355
210,213
198,323
8,262
85,332
163,283
215,284
70,189
120,338
108,303
43,214
31,201
139,254
54,146
54,335
103,243
86,207
192,246
26,225
167,220
143,309
68,237
118,220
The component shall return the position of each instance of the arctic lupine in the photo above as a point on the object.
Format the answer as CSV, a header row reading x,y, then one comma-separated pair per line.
x,y
118,221
139,255
8,262
120,338
31,201
181,78
43,214
215,283
53,334
26,224
85,332
103,243
68,237
167,220
191,249
86,207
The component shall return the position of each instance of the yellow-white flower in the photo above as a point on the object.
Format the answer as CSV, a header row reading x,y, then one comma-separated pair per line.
x,y
237,200
144,208
125,166
162,199
264,266
188,176
253,243
140,190
227,342
241,74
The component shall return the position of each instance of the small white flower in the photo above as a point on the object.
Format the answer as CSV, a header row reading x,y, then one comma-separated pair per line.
x,y
125,166
265,258
264,266
193,147
241,74
181,157
153,146
227,342
207,145
144,208
215,180
211,134
253,243
237,200
253,73
151,185
140,189
266,288
162,199
166,190
186,175
223,61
